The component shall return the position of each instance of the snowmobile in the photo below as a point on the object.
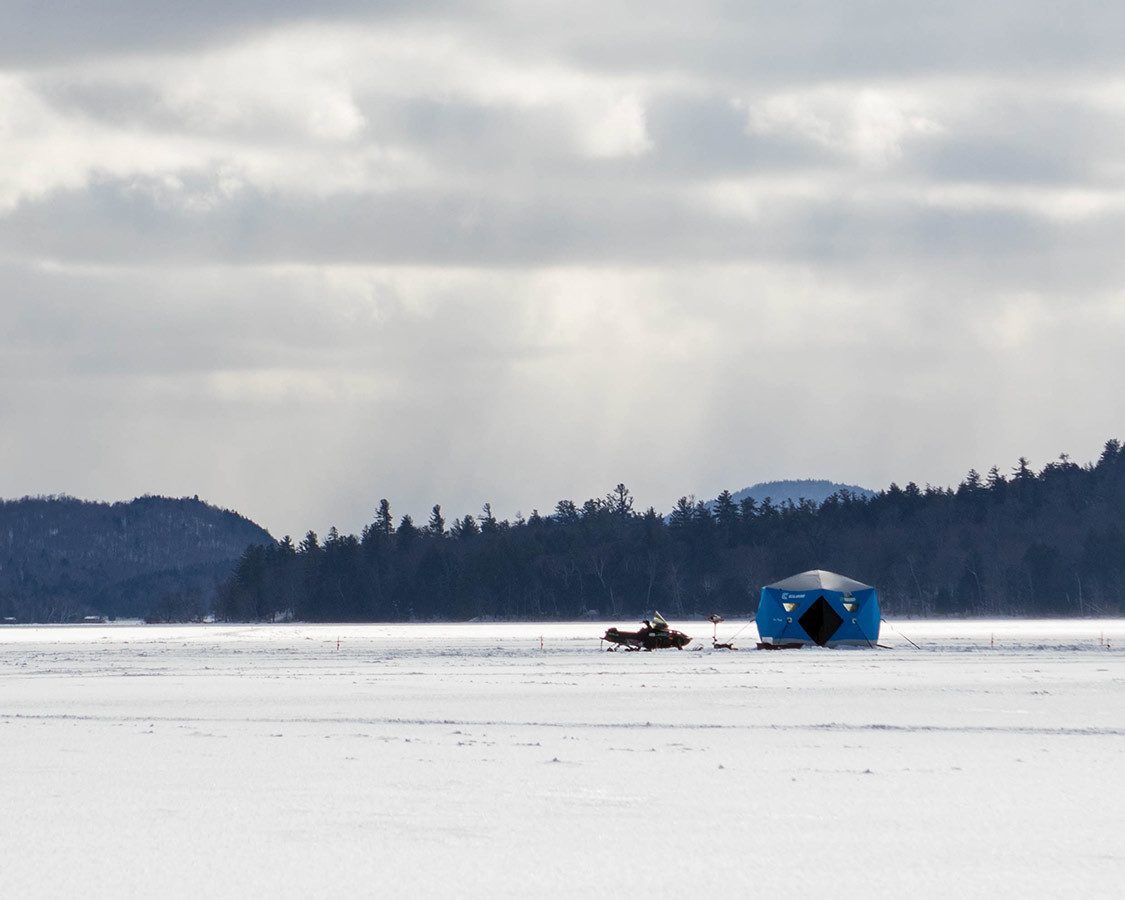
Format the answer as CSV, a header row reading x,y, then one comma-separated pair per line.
x,y
654,635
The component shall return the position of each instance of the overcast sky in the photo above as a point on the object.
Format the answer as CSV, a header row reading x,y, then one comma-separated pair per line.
x,y
515,252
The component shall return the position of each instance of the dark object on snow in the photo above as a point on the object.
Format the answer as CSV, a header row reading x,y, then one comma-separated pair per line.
x,y
717,646
655,635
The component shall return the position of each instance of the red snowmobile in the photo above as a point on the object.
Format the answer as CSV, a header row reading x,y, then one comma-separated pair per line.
x,y
654,635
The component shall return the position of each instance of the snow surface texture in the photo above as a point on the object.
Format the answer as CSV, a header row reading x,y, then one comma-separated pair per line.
x,y
437,760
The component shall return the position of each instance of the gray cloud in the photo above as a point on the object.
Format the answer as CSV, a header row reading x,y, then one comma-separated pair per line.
x,y
53,31
298,262
139,223
819,39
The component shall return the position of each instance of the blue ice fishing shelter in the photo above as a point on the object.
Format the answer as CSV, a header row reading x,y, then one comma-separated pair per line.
x,y
818,607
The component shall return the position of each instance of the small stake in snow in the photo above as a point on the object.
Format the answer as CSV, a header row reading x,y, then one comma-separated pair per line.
x,y
337,644
992,641
540,642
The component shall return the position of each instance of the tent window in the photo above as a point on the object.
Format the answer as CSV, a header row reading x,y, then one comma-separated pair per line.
x,y
850,605
789,607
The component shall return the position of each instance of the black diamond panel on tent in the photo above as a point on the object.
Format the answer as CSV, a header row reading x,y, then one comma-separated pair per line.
x,y
820,621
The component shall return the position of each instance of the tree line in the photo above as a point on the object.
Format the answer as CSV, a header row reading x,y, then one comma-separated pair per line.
x,y
1020,542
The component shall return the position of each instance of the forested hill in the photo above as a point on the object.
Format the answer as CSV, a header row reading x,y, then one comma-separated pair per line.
x,y
62,558
1016,542
816,490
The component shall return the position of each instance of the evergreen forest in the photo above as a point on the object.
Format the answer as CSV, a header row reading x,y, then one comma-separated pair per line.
x,y
1016,542
161,558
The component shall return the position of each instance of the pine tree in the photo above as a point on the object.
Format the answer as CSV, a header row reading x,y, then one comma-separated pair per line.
x,y
384,522
682,515
621,502
437,523
407,534
311,544
726,517
566,513
488,523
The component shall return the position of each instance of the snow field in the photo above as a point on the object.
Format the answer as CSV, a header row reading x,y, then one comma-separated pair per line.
x,y
462,760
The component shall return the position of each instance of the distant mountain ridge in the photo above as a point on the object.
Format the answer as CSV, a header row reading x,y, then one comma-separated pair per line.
x,y
62,558
815,489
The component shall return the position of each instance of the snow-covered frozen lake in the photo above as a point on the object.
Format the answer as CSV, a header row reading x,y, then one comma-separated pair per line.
x,y
463,760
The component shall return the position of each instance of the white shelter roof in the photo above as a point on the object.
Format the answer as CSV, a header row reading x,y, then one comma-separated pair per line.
x,y
818,579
